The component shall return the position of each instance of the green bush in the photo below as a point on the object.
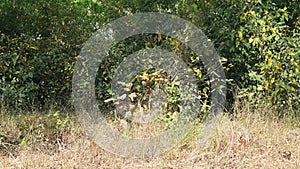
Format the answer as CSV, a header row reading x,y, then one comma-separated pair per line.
x,y
260,41
268,38
39,42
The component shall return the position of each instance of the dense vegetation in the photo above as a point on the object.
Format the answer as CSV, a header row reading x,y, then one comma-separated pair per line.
x,y
258,42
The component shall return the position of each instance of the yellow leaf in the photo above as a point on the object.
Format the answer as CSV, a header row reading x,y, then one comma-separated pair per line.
x,y
34,47
272,80
270,62
273,30
278,66
252,13
240,34
243,18
159,37
266,84
255,41
293,89
264,38
250,40
199,73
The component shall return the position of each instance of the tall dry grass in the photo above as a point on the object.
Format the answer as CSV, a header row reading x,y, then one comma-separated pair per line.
x,y
250,138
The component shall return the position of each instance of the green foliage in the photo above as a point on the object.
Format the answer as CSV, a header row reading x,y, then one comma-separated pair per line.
x,y
148,80
15,70
39,42
260,41
269,44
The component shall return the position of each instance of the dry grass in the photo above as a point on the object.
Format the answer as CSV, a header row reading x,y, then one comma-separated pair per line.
x,y
251,140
